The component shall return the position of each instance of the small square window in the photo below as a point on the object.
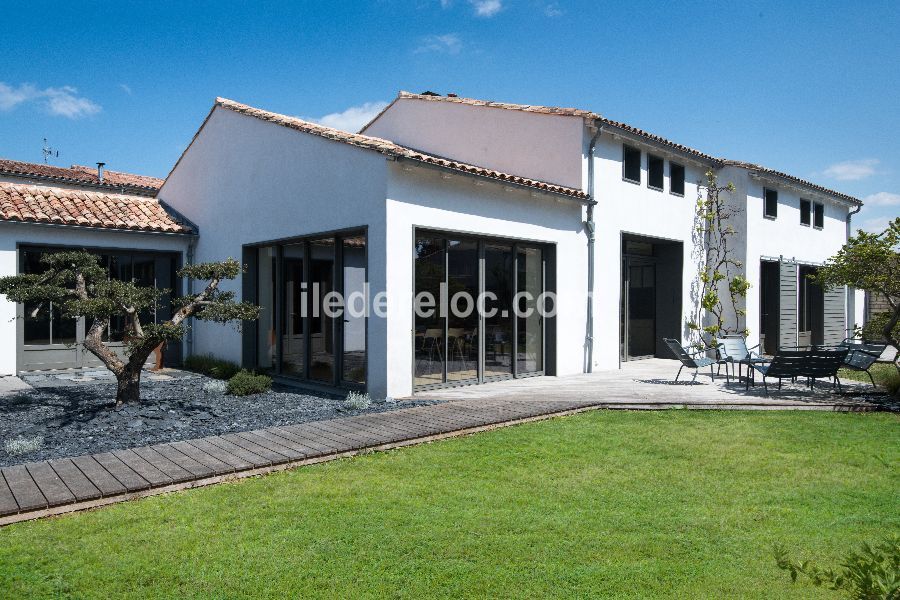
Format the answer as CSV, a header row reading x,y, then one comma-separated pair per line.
x,y
818,215
676,179
805,211
771,197
655,172
631,164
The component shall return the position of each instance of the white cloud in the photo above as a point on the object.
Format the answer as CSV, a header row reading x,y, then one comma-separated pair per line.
x,y
852,170
882,199
125,88
63,101
874,224
486,8
353,118
553,10
449,43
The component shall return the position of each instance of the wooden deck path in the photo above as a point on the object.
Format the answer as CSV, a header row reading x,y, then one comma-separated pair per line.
x,y
40,489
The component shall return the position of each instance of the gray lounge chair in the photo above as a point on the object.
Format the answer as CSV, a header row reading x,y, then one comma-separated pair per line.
x,y
691,360
861,356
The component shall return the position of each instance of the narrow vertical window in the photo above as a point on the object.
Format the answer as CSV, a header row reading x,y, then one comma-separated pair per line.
x,y
655,172
631,164
818,215
771,201
805,210
676,179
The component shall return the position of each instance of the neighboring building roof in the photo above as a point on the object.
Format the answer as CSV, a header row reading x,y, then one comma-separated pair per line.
x,y
391,149
26,203
81,175
592,116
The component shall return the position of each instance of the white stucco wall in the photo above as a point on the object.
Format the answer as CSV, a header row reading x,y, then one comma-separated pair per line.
x,y
784,235
625,207
245,181
538,146
423,197
13,235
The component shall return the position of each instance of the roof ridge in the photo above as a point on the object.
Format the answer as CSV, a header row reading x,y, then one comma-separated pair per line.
x,y
79,174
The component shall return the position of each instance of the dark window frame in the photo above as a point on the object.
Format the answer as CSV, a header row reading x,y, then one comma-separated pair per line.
x,y
626,148
766,213
818,215
682,179
805,211
662,172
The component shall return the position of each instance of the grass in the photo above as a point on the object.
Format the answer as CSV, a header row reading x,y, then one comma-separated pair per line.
x,y
885,375
210,366
614,504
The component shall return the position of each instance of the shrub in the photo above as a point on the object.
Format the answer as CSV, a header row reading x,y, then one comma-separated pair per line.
x,y
245,383
357,401
23,445
211,366
867,574
215,387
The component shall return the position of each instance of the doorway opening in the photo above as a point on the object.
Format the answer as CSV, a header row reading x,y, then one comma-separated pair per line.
x,y
650,308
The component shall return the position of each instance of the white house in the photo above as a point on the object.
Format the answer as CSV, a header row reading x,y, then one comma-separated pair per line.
x,y
444,195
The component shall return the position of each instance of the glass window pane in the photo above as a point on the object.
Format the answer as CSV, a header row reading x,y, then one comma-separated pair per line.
x,y
631,163
265,286
354,280
676,176
321,326
293,350
430,273
655,168
37,323
530,279
498,335
462,291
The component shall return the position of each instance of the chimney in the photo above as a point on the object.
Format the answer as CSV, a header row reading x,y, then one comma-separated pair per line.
x,y
100,166
451,95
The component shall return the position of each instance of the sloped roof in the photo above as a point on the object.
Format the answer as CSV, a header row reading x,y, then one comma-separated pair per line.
x,y
389,148
82,175
65,206
596,117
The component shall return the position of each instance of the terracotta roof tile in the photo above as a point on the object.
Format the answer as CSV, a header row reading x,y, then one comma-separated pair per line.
x,y
38,204
389,148
588,115
82,175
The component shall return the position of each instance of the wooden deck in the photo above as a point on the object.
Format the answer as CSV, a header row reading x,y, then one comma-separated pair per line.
x,y
40,489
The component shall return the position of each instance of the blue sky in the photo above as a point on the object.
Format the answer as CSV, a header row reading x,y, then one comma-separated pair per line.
x,y
810,88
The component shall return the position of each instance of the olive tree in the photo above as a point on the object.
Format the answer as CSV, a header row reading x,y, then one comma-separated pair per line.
x,y
76,284
871,262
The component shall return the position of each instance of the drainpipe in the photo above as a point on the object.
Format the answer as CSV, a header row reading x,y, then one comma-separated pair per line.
x,y
849,293
590,230
190,290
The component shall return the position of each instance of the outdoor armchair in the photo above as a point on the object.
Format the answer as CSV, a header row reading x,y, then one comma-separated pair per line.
x,y
733,350
692,360
861,356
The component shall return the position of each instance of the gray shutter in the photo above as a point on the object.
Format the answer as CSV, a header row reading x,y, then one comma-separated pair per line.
x,y
787,326
834,328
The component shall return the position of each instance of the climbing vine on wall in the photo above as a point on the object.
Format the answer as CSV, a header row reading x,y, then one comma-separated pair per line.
x,y
719,287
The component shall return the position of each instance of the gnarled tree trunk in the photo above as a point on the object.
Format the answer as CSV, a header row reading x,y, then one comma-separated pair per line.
x,y
128,388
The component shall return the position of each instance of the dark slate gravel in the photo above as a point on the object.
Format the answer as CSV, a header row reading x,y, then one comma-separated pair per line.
x,y
79,419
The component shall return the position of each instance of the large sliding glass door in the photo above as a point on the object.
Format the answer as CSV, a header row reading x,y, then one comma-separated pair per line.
x,y
455,340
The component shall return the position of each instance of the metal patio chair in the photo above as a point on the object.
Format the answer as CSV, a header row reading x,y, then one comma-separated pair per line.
x,y
818,363
691,360
861,356
733,351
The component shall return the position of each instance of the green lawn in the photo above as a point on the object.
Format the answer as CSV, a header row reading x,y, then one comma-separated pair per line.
x,y
624,504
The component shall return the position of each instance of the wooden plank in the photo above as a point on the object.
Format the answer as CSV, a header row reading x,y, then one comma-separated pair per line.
x,y
154,476
127,476
26,492
218,467
270,455
304,451
8,504
78,484
317,445
175,472
235,462
52,487
313,437
272,445
100,477
254,459
195,468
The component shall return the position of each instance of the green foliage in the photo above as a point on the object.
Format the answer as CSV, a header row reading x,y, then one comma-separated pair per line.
x,y
871,573
227,269
210,366
245,383
873,331
868,261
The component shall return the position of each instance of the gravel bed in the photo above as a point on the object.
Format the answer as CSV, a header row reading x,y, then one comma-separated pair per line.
x,y
70,420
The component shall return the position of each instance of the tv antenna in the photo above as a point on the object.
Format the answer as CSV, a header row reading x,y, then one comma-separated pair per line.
x,y
48,151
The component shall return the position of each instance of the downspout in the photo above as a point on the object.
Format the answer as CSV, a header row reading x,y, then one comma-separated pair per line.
x,y
850,292
590,230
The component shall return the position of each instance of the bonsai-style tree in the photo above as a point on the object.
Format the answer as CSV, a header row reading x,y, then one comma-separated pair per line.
x,y
718,270
79,286
871,262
